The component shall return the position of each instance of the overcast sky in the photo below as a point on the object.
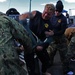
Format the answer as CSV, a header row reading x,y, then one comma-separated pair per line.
x,y
23,5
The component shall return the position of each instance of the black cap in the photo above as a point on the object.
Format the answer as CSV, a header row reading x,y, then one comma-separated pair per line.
x,y
59,6
12,11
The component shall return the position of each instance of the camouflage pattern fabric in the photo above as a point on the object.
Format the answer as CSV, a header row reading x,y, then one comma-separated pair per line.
x,y
71,48
9,64
70,34
59,44
70,56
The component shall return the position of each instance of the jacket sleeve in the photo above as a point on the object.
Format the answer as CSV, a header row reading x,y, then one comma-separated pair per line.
x,y
19,32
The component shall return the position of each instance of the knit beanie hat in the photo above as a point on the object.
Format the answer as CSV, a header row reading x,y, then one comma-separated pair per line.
x,y
59,6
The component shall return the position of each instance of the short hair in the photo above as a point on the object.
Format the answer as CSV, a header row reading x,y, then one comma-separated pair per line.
x,y
51,7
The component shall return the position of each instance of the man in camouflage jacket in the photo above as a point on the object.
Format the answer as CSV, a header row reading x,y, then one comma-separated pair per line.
x,y
70,56
10,30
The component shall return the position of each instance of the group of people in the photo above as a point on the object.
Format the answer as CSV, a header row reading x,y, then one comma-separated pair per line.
x,y
49,27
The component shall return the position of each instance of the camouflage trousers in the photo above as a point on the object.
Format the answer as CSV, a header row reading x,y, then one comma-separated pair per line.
x,y
70,55
71,48
60,45
11,67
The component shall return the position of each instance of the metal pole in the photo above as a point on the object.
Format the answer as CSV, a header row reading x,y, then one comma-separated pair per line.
x,y
70,13
30,6
28,19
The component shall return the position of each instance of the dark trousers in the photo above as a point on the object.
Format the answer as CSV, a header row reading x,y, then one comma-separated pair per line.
x,y
44,58
29,58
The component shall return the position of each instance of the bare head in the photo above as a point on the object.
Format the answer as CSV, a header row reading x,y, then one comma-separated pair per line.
x,y
48,11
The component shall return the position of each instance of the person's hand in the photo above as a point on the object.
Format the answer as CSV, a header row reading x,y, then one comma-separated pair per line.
x,y
39,48
49,33
21,48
